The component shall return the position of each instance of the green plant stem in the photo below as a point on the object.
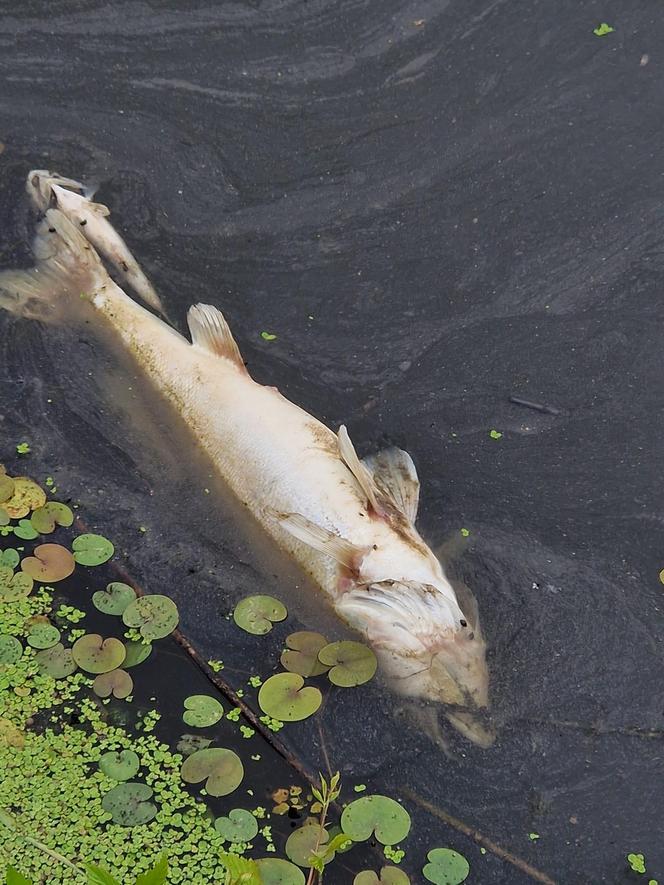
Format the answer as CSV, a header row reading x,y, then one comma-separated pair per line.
x,y
54,854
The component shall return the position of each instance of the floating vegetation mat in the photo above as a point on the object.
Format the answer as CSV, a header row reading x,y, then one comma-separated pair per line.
x,y
93,786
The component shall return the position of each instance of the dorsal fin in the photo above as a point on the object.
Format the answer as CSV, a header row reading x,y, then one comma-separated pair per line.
x,y
358,469
395,476
210,331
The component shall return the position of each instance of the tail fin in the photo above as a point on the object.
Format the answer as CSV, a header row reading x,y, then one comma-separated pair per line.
x,y
67,268
75,201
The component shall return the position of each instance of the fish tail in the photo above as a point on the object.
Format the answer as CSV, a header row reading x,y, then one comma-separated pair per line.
x,y
68,271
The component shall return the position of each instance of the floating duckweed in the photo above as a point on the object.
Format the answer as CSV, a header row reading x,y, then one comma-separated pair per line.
x,y
256,614
446,867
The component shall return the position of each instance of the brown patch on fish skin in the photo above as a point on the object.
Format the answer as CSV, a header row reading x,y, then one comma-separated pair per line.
x,y
323,438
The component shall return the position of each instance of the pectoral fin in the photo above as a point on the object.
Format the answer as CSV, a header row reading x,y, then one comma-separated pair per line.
x,y
395,476
210,331
321,539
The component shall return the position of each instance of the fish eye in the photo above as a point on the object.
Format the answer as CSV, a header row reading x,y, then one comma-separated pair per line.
x,y
463,622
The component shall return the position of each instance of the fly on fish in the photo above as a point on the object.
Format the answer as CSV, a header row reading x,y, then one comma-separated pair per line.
x,y
349,523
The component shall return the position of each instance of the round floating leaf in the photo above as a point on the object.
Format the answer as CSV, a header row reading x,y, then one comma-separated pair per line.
x,y
9,557
14,587
11,649
92,549
45,519
114,599
239,826
202,710
191,743
155,616
116,682
43,635
221,770
94,654
301,844
50,563
120,766
57,661
129,804
275,871
388,876
137,652
25,530
256,614
10,735
352,663
301,656
6,487
376,814
283,697
446,867
4,517
26,496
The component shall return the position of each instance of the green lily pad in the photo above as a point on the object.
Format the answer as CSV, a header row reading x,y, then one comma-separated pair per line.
x,y
446,867
137,652
284,697
13,877
202,710
120,766
239,826
301,656
388,876
116,682
43,635
352,663
155,616
26,496
275,871
14,587
376,814
221,769
129,804
256,614
94,654
114,599
6,487
4,517
92,549
57,661
10,735
11,649
45,519
25,530
301,844
9,557
192,743
49,563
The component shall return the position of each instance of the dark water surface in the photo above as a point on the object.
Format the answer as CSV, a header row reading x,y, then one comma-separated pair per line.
x,y
434,206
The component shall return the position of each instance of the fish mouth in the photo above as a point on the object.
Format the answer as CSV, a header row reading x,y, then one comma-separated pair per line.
x,y
475,725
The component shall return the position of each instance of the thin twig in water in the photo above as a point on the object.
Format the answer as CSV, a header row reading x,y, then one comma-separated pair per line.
x,y
538,407
481,839
597,729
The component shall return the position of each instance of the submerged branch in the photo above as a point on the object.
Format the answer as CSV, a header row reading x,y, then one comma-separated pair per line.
x,y
480,838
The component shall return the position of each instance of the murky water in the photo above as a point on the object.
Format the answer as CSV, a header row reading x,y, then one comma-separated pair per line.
x,y
434,206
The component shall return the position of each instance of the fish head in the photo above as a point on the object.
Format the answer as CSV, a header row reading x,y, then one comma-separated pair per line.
x,y
427,646
39,185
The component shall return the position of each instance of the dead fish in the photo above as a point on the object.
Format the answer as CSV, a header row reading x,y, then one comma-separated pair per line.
x,y
350,523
